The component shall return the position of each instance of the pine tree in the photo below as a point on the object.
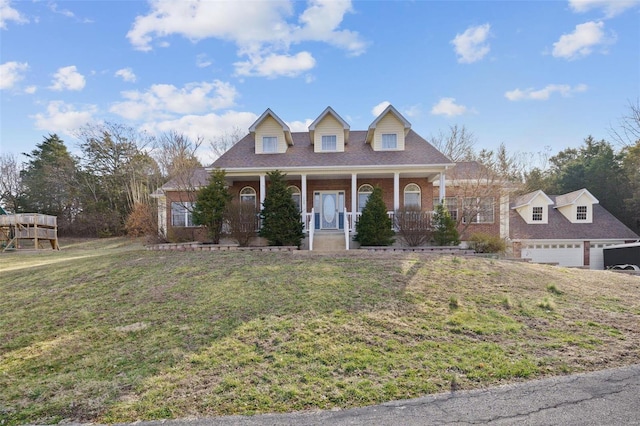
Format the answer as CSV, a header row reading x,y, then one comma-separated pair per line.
x,y
374,226
444,228
211,205
281,221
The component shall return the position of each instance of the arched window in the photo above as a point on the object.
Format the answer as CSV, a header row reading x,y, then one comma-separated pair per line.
x,y
412,196
363,195
248,195
297,196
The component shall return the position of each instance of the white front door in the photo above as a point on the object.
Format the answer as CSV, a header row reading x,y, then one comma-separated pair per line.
x,y
329,207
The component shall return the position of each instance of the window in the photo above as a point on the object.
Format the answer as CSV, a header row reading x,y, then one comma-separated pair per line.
x,y
389,141
478,210
181,214
412,196
269,144
329,143
581,213
296,195
248,195
363,195
451,204
537,214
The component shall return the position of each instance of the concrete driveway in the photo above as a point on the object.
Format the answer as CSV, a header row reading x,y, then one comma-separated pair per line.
x,y
608,397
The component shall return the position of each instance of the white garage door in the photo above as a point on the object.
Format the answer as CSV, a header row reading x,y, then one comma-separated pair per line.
x,y
564,254
596,254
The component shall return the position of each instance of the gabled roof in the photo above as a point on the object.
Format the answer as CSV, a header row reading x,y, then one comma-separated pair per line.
x,y
571,197
329,111
269,113
417,152
526,199
188,181
604,226
387,110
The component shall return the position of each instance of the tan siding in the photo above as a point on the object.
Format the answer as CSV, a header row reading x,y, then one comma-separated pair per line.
x,y
270,127
388,124
329,126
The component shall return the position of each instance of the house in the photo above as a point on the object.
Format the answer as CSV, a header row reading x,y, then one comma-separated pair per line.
x,y
570,229
331,171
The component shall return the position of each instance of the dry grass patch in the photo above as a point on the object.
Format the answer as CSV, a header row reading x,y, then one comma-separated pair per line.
x,y
128,334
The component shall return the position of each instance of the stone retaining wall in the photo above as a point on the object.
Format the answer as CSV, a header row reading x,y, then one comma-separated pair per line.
x,y
216,247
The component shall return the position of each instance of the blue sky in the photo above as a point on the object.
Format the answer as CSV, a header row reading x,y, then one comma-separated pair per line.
x,y
527,74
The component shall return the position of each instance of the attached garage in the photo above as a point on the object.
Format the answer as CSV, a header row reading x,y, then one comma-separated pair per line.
x,y
557,252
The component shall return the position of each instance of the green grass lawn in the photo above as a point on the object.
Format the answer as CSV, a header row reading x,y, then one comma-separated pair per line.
x,y
104,331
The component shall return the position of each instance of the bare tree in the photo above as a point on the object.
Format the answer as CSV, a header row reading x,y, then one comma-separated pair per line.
x,y
628,132
458,144
176,152
222,143
10,182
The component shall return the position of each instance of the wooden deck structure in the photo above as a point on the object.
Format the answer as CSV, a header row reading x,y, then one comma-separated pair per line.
x,y
28,226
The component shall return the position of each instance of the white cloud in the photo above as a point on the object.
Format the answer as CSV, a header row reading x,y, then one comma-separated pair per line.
x,y
31,90
61,117
413,111
203,61
377,110
164,100
610,8
7,13
273,65
448,107
208,126
471,46
300,126
581,41
11,73
126,74
263,32
564,90
67,78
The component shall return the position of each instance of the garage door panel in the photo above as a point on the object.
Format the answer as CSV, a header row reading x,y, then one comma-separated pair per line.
x,y
563,254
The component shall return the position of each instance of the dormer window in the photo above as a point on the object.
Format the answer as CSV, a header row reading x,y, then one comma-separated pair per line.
x,y
389,141
329,143
269,144
537,214
581,212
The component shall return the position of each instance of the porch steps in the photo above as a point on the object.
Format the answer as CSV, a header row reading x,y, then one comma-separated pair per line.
x,y
328,241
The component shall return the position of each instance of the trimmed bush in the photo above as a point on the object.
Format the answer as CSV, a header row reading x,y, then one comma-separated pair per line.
x,y
281,220
485,243
374,226
413,225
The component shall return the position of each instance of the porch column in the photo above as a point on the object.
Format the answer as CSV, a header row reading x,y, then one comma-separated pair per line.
x,y
396,191
354,192
263,189
442,187
303,189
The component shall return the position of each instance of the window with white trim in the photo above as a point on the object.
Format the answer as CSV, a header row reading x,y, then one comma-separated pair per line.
x,y
329,143
181,214
478,210
269,144
363,195
581,212
297,196
412,196
389,141
536,214
248,195
450,203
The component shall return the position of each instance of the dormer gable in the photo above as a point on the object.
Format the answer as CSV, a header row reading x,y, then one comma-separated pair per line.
x,y
388,131
271,134
577,206
533,207
329,132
